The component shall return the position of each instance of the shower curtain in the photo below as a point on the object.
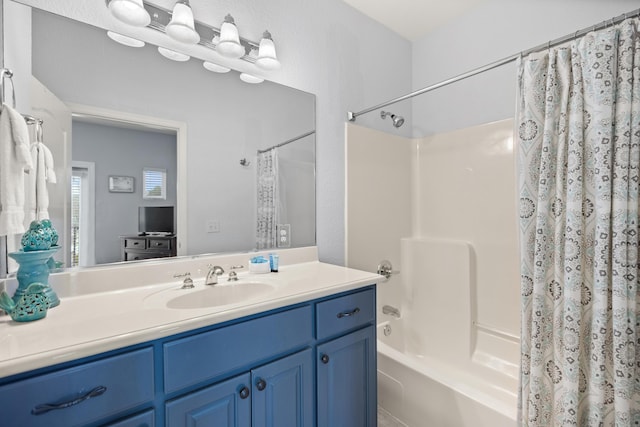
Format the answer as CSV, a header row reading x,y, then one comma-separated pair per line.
x,y
267,193
579,159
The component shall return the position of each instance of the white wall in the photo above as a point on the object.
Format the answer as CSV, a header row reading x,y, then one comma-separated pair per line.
x,y
492,31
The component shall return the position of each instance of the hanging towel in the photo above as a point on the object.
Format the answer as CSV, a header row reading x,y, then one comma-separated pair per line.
x,y
37,194
15,160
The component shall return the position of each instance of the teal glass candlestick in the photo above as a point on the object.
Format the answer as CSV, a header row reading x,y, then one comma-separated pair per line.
x,y
33,268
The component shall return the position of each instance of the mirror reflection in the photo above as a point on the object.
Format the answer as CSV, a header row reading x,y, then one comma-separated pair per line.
x,y
131,130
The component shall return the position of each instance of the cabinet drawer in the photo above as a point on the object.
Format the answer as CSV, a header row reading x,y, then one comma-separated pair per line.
x,y
345,313
146,419
159,244
135,243
210,355
137,255
127,381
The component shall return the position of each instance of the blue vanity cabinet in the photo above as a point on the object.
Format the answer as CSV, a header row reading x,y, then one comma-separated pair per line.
x,y
282,392
226,404
346,361
80,395
308,365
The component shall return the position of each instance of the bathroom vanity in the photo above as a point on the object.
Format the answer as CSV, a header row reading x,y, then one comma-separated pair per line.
x,y
294,348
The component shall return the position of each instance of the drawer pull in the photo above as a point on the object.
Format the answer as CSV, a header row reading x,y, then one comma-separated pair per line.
x,y
42,409
244,392
261,384
324,359
349,313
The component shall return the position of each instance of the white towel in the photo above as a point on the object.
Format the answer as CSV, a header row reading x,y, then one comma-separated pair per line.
x,y
15,160
37,194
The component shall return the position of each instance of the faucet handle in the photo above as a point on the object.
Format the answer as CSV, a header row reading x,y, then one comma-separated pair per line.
x,y
233,276
187,283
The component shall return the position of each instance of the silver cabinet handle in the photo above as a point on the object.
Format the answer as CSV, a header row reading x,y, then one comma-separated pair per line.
x,y
349,313
43,409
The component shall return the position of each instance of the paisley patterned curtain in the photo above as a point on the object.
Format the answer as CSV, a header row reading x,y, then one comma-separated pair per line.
x,y
579,135
267,192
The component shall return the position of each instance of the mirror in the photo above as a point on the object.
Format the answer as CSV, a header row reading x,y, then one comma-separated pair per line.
x,y
218,123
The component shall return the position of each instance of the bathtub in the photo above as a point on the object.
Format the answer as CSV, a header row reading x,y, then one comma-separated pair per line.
x,y
418,391
437,366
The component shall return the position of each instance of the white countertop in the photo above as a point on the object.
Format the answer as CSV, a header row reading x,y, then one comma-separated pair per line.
x,y
92,323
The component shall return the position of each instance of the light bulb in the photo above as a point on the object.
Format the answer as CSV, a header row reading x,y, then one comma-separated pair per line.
x,y
182,27
267,58
229,44
249,78
130,12
172,54
215,67
125,40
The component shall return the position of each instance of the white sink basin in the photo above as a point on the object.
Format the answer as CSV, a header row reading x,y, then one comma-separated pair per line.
x,y
221,294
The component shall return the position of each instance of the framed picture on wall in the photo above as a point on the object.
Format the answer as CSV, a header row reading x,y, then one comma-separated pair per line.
x,y
121,184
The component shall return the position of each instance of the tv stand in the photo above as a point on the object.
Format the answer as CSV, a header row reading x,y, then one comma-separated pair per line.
x,y
147,246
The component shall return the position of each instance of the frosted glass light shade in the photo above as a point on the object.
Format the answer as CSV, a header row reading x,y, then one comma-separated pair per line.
x,y
172,54
229,44
248,78
181,27
125,40
267,58
215,67
130,12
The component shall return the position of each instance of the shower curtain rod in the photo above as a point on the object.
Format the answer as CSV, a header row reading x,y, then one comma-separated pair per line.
x,y
604,24
288,141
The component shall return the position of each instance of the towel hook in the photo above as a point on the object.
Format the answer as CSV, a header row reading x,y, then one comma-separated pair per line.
x,y
5,72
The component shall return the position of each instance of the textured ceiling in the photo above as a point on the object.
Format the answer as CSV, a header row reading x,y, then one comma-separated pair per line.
x,y
413,18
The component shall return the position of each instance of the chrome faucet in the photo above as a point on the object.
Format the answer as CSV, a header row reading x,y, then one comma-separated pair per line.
x,y
212,275
233,276
391,311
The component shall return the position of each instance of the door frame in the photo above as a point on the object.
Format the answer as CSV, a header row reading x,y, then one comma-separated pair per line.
x,y
180,128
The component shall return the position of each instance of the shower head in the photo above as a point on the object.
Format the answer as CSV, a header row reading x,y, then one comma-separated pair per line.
x,y
397,120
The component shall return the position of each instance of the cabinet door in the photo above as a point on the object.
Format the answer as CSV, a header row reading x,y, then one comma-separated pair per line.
x,y
226,404
347,380
282,392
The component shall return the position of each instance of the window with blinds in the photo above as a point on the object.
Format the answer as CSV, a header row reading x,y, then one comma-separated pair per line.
x,y
154,183
76,196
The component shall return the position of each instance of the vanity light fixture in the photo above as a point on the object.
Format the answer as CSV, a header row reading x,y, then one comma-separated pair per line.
x,y
249,78
173,55
130,12
267,58
229,42
215,67
179,24
182,27
125,40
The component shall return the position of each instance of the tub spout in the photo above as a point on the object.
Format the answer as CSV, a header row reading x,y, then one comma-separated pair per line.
x,y
391,311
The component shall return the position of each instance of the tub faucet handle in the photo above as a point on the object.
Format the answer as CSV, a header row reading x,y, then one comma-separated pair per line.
x,y
386,269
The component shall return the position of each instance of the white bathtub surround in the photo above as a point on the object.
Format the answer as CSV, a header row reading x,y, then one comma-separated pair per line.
x,y
442,209
112,307
578,132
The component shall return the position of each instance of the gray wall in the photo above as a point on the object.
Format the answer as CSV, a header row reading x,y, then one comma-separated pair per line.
x,y
118,151
492,31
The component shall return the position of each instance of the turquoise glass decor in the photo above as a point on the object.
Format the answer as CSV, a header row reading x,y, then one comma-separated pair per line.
x,y
34,268
32,304
39,236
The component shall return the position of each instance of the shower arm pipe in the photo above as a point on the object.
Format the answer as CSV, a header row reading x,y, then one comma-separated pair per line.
x,y
561,40
288,141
